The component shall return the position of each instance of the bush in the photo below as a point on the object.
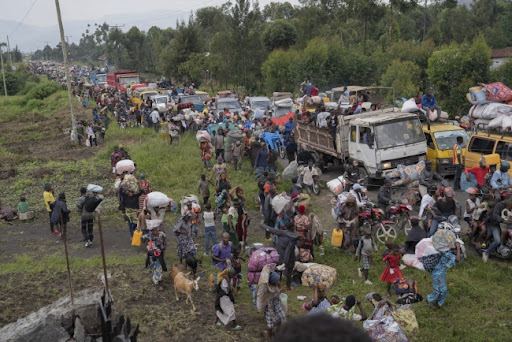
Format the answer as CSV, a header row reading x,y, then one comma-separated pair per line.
x,y
28,87
42,91
34,104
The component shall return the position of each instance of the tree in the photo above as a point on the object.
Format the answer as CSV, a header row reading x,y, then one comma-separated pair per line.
x,y
277,10
404,77
279,35
456,66
278,72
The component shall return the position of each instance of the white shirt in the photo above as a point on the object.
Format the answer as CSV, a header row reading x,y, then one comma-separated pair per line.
x,y
155,116
307,175
209,219
426,200
472,204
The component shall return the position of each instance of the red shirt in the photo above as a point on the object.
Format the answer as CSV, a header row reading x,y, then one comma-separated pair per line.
x,y
479,173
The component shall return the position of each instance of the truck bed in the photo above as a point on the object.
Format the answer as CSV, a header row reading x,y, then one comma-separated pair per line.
x,y
315,138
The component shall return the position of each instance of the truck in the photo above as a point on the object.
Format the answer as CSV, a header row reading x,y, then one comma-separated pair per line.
x,y
379,141
121,79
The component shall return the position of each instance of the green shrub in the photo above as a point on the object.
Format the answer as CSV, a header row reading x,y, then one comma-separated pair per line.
x,y
33,104
28,87
42,91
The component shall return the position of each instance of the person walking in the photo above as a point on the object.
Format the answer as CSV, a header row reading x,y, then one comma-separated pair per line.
x,y
60,213
48,200
87,218
458,162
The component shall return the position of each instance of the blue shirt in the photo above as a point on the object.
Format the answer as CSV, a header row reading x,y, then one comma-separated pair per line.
x,y
500,180
289,126
429,103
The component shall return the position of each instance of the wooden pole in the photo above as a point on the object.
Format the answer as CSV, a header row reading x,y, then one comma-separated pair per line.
x,y
66,71
100,230
3,71
9,51
64,238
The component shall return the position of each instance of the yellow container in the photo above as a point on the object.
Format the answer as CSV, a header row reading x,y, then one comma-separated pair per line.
x,y
137,234
337,237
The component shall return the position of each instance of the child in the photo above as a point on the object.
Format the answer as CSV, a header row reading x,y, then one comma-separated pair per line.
x,y
23,205
391,272
205,158
479,220
364,250
203,189
209,227
237,265
472,203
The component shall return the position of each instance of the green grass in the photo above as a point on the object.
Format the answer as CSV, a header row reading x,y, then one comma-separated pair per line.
x,y
17,108
56,263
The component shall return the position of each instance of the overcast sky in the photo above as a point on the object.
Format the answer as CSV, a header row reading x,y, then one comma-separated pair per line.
x,y
43,13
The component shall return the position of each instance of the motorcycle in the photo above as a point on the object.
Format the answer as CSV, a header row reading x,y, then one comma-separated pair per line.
x,y
371,218
399,214
505,251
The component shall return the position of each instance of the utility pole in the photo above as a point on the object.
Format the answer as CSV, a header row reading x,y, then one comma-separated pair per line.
x,y
3,70
67,42
9,51
66,71
44,47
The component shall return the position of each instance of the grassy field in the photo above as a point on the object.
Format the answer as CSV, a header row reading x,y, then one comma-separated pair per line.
x,y
478,306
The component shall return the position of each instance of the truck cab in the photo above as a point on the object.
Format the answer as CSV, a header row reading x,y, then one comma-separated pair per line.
x,y
160,103
441,137
379,141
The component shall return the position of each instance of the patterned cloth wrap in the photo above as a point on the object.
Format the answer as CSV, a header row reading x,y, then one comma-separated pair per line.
x,y
443,240
430,261
319,275
381,325
407,319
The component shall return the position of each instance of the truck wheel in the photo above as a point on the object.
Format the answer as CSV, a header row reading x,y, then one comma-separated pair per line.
x,y
385,232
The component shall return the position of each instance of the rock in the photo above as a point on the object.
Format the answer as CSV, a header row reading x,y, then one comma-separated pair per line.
x,y
79,333
53,322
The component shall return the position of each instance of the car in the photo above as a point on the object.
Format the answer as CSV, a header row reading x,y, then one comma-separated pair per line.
x,y
160,103
259,102
196,100
230,103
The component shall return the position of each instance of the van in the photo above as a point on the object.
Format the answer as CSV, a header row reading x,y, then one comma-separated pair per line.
x,y
485,143
441,137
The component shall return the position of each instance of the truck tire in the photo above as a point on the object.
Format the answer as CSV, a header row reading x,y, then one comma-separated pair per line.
x,y
316,188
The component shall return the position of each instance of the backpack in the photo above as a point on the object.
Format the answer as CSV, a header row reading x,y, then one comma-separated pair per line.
x,y
91,203
403,286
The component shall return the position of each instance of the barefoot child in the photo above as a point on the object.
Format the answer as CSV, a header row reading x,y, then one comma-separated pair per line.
x,y
392,271
237,265
364,251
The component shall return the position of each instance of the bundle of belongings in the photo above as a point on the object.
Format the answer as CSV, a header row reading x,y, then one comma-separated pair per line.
x,y
406,174
492,105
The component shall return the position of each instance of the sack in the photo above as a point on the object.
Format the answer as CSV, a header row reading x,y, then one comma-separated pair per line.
x,y
157,199
337,185
403,285
318,275
126,165
26,216
261,258
279,202
91,203
94,188
253,277
305,255
137,235
290,171
497,92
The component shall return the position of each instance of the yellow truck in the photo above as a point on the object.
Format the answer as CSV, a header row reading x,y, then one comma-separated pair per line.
x,y
495,146
441,137
142,94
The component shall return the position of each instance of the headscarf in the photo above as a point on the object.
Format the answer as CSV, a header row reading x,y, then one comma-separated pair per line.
x,y
273,278
302,209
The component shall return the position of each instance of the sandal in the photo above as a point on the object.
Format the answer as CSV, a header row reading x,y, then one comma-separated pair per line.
x,y
238,327
218,324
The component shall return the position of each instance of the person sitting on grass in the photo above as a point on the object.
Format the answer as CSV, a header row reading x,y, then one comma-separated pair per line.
x,y
7,213
346,309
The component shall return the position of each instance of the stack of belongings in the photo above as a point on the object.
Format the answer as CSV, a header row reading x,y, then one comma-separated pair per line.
x,y
428,251
336,203
191,114
204,140
492,106
259,259
336,185
410,106
406,174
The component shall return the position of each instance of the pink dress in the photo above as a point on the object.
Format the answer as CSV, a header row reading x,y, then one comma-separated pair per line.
x,y
393,263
